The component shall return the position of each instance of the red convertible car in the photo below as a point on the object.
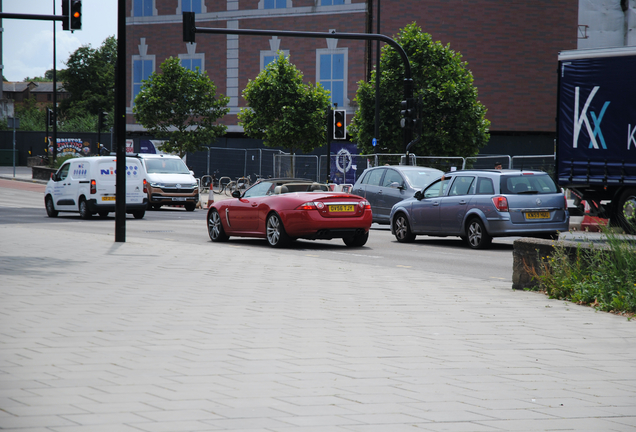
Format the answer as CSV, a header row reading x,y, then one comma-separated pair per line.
x,y
282,210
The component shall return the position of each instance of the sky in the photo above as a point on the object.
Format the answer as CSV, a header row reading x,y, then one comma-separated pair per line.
x,y
27,45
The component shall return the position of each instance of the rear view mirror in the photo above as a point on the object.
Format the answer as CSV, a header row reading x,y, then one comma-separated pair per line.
x,y
418,195
236,194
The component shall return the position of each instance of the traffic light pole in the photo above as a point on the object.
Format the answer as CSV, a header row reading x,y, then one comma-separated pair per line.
x,y
190,30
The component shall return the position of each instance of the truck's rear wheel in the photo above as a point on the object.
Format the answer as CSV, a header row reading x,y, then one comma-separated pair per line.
x,y
626,211
83,209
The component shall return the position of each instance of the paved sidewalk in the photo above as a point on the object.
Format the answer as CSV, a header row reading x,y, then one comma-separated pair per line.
x,y
153,335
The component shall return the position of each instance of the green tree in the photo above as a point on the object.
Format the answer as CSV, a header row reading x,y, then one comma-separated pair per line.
x,y
452,120
48,77
283,111
90,79
181,107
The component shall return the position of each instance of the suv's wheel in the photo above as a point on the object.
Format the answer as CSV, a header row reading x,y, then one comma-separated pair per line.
x,y
50,208
402,229
190,206
215,227
358,240
478,237
83,209
139,214
275,231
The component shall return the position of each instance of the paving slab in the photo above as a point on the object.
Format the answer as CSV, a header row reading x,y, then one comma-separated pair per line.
x,y
148,335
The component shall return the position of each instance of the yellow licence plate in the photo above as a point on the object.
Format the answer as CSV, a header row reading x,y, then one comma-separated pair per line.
x,y
105,198
341,208
538,215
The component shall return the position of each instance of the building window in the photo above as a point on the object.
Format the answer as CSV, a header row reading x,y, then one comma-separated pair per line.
x,y
192,60
142,69
144,8
195,6
332,73
331,2
268,56
273,4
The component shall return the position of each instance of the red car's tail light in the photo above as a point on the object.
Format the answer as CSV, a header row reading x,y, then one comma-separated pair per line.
x,y
145,186
93,187
501,203
310,205
365,205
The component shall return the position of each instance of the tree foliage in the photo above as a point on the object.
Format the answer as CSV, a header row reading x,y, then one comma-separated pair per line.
x,y
181,107
90,79
452,120
33,119
283,111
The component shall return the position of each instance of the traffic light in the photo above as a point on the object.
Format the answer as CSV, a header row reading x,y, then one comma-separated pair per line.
x,y
50,117
408,113
76,15
189,27
100,120
339,124
66,15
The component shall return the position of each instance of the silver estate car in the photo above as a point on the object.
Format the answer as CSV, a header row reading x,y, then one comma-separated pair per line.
x,y
478,205
383,186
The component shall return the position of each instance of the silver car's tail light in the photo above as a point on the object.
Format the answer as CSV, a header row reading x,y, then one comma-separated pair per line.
x,y
500,203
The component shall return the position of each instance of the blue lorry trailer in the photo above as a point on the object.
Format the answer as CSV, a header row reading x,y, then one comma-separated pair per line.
x,y
596,130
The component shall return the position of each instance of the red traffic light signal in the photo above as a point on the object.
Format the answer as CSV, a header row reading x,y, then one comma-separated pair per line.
x,y
76,15
339,126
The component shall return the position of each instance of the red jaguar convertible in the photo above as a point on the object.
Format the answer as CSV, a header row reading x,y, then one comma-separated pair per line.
x,y
282,210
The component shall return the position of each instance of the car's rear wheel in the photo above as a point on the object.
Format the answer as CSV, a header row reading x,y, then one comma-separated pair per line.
x,y
83,209
358,240
190,206
215,227
275,231
139,214
50,208
402,229
478,237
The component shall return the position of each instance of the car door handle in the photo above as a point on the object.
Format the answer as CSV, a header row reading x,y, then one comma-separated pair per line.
x,y
379,192
435,203
462,202
254,204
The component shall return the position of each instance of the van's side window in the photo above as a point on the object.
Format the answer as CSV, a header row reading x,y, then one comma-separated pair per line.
x,y
63,172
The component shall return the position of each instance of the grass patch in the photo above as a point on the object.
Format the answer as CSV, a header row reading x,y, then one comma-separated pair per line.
x,y
602,276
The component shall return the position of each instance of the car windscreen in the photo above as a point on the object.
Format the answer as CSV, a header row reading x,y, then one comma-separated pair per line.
x,y
527,184
420,178
166,166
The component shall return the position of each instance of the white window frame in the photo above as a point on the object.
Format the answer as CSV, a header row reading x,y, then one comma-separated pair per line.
x,y
154,9
193,55
204,9
261,5
345,72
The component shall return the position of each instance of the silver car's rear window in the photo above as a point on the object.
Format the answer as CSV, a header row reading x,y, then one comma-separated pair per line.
x,y
527,184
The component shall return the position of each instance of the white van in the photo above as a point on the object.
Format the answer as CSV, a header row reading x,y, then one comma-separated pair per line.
x,y
87,185
170,182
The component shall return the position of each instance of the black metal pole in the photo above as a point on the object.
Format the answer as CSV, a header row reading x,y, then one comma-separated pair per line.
x,y
120,124
377,81
54,155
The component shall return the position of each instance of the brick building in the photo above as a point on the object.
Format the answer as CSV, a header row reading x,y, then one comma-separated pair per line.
x,y
511,49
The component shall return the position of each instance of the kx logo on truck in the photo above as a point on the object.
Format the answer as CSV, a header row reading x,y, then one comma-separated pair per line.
x,y
581,118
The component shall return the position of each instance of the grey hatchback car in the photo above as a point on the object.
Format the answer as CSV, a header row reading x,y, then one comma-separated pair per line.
x,y
478,205
383,186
